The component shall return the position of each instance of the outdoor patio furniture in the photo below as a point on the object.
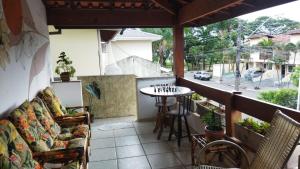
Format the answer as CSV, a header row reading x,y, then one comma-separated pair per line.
x,y
182,110
38,139
59,112
16,154
275,149
163,92
53,128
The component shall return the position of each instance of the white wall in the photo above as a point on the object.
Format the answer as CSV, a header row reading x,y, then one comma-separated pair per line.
x,y
28,70
81,45
122,49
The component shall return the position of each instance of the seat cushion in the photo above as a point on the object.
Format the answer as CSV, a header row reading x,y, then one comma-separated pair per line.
x,y
81,130
74,143
31,129
14,152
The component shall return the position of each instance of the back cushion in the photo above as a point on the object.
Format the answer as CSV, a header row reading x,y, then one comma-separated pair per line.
x,y
14,152
53,102
31,130
44,117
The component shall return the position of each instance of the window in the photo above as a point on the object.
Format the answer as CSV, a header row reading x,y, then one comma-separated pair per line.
x,y
270,66
290,68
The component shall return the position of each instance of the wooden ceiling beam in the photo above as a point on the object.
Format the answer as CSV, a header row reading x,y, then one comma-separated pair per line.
x,y
199,9
66,18
165,5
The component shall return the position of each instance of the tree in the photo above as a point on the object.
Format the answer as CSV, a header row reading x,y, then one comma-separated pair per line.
x,y
162,49
283,97
295,76
266,51
272,26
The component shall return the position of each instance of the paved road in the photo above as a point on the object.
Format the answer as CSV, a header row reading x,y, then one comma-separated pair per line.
x,y
246,87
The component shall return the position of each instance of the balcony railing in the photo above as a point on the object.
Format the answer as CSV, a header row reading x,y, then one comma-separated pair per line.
x,y
235,103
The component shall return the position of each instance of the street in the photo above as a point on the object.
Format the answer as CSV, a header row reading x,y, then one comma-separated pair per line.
x,y
246,87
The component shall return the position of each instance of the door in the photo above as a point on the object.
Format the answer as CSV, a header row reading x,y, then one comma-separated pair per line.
x,y
282,71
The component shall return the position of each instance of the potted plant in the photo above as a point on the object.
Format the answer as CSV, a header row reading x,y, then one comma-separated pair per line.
x,y
251,132
213,129
64,67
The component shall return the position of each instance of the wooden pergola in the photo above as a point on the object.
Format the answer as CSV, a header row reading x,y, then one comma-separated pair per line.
x,y
177,14
68,14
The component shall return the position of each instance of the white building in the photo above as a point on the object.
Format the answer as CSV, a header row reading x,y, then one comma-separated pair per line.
x,y
91,54
256,61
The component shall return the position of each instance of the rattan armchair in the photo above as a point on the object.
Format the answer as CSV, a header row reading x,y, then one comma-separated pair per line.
x,y
274,151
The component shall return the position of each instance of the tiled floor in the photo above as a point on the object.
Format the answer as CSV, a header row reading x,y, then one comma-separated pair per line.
x,y
135,147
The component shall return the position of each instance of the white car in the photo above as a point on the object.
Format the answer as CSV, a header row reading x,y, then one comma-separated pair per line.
x,y
202,75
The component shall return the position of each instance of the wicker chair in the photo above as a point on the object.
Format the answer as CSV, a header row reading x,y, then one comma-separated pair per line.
x,y
274,151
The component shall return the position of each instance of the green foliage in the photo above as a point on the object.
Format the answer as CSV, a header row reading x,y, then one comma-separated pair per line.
x,y
216,43
212,120
283,97
258,127
64,64
272,26
163,48
295,76
196,96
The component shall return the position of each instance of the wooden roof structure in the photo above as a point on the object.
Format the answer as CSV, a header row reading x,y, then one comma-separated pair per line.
x,y
110,14
147,13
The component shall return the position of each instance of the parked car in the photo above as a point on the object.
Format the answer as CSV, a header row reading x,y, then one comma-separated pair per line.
x,y
253,73
202,75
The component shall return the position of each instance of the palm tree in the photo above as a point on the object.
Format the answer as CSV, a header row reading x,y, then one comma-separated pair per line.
x,y
266,52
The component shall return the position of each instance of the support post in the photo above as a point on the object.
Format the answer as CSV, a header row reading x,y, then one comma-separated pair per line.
x,y
232,116
178,50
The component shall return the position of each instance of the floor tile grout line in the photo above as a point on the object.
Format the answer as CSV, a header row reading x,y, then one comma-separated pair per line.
x,y
143,148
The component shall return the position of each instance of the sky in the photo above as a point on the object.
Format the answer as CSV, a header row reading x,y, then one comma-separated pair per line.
x,y
290,10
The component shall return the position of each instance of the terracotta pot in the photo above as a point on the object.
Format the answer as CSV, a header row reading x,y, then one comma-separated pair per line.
x,y
214,135
65,76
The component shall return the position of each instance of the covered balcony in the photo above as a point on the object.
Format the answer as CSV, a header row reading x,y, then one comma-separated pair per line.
x,y
124,118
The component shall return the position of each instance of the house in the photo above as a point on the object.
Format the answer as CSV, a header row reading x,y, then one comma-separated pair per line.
x,y
256,61
87,48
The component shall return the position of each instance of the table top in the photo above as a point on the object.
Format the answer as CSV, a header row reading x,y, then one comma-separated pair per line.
x,y
153,91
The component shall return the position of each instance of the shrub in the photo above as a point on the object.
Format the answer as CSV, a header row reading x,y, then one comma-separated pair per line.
x,y
258,127
196,96
283,97
295,76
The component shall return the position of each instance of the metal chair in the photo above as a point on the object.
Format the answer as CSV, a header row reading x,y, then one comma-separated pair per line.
x,y
274,151
183,110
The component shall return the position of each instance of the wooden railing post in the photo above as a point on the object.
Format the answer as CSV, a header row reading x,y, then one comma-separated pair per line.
x,y
232,115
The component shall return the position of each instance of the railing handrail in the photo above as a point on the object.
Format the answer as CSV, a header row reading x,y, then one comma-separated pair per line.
x,y
235,102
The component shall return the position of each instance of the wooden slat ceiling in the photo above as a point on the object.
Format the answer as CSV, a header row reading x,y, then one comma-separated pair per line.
x,y
147,13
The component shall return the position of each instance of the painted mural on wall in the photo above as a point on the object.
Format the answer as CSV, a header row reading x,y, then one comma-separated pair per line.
x,y
21,38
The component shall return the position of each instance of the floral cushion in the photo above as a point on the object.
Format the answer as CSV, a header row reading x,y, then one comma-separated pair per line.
x,y
52,127
78,131
74,143
14,152
45,118
30,128
53,102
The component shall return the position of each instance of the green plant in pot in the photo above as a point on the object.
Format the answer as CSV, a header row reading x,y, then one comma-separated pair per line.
x,y
213,128
64,67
